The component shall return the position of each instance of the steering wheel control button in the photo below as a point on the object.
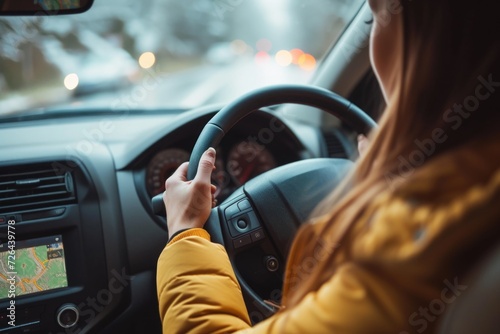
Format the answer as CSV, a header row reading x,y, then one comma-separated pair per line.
x,y
242,241
242,224
272,263
231,211
67,315
249,217
257,235
244,205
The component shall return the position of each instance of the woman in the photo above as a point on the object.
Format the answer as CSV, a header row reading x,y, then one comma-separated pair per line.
x,y
422,207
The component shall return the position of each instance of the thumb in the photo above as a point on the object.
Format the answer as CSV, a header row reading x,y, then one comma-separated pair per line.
x,y
206,166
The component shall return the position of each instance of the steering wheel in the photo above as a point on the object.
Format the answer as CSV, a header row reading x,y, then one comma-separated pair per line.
x,y
257,223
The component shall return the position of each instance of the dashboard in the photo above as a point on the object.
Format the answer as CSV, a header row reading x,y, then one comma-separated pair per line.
x,y
77,190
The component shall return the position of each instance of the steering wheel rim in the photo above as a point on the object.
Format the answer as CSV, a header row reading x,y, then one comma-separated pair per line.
x,y
312,96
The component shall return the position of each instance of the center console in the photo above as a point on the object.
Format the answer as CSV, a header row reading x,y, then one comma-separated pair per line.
x,y
53,274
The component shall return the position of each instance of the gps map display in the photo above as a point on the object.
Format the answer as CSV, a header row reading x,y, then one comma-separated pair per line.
x,y
38,265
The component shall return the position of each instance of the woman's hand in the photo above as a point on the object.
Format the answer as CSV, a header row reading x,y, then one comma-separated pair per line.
x,y
188,203
362,144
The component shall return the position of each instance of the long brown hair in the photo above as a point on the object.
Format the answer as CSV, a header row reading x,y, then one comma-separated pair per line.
x,y
449,48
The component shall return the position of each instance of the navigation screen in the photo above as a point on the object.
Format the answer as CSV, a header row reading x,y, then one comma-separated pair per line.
x,y
38,265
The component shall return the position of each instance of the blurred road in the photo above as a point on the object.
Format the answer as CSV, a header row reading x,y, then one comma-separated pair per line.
x,y
196,87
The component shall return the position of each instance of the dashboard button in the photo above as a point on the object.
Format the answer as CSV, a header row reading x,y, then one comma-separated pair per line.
x,y
243,205
257,235
231,211
67,315
242,241
242,224
272,263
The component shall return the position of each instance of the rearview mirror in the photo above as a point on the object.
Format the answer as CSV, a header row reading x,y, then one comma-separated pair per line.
x,y
43,7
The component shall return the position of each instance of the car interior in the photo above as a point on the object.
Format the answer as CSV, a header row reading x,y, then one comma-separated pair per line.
x,y
86,181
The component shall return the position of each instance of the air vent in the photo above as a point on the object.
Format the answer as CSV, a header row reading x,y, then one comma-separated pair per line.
x,y
33,187
334,146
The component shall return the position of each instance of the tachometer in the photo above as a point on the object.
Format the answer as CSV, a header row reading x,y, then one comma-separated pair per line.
x,y
248,159
163,164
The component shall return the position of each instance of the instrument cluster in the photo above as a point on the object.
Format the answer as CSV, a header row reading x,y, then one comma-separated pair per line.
x,y
242,161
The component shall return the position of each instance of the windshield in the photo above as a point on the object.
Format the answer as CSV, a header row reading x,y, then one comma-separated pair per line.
x,y
130,54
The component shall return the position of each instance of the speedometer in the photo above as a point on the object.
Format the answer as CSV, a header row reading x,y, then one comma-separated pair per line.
x,y
248,159
163,164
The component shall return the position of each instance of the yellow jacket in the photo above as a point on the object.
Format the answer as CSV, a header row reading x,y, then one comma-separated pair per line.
x,y
399,268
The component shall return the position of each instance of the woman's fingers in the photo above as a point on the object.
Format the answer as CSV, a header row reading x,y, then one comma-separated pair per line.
x,y
206,166
362,144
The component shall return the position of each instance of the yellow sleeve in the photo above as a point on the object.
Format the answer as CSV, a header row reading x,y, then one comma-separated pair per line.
x,y
198,293
197,289
352,301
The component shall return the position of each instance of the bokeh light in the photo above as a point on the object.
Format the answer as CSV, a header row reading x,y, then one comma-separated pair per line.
x,y
283,58
147,60
264,45
239,47
262,58
307,62
71,81
296,53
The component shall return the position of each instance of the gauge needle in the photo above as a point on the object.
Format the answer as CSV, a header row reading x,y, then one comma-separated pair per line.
x,y
247,172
